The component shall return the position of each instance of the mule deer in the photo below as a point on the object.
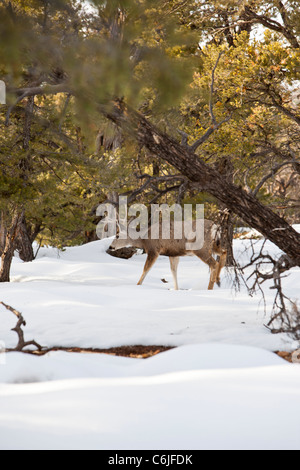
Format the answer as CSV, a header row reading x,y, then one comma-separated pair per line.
x,y
174,248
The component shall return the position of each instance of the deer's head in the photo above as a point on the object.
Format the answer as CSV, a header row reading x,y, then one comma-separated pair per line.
x,y
119,243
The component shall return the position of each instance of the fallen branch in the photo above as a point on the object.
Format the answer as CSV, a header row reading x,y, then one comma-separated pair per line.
x,y
18,329
137,351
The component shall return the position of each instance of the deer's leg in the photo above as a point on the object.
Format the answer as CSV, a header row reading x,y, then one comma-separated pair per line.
x,y
174,266
151,259
221,264
213,266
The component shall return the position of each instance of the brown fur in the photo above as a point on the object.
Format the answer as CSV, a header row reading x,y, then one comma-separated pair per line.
x,y
174,248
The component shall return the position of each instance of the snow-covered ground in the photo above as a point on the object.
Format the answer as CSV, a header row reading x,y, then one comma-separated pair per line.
x,y
222,388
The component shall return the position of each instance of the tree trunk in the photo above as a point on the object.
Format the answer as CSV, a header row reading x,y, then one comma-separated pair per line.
x,y
225,167
2,232
6,260
190,165
8,253
24,242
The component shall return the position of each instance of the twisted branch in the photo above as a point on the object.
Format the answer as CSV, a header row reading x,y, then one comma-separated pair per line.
x,y
18,329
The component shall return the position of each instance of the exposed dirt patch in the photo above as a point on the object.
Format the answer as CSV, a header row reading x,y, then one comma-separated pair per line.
x,y
137,352
287,356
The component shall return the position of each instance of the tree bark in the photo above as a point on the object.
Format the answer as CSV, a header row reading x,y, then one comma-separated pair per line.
x,y
190,165
24,243
2,232
8,253
225,167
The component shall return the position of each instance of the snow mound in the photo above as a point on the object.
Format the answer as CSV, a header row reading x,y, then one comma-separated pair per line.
x,y
195,397
59,365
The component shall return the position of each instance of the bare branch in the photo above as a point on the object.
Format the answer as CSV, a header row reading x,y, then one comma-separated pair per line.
x,y
23,93
267,268
212,86
203,139
208,133
12,107
284,109
274,25
275,170
41,90
215,125
152,182
184,138
18,329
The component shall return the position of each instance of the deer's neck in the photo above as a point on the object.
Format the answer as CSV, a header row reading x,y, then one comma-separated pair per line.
x,y
139,243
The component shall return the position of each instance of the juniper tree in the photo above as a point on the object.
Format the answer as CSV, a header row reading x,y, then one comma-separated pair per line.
x,y
186,87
